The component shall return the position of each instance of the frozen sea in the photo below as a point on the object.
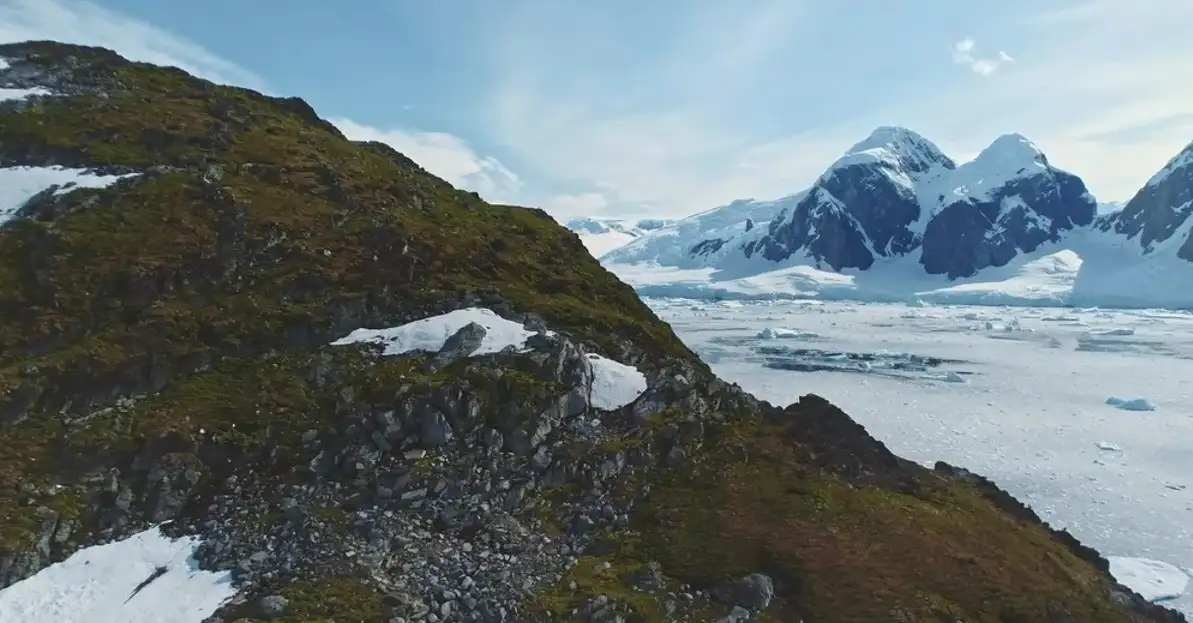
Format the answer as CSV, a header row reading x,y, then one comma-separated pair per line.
x,y
1019,395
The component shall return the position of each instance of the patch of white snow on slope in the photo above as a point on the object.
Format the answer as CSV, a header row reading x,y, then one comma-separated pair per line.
x,y
430,334
614,384
101,583
20,184
1152,579
9,95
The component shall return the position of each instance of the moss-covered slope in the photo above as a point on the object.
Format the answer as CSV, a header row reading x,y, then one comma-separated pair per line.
x,y
163,355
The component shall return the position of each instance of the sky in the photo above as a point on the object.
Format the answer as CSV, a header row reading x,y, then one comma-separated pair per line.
x,y
630,109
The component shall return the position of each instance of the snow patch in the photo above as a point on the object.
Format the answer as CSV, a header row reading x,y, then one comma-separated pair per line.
x,y
1131,404
20,184
1010,156
13,95
1152,579
614,384
430,334
104,584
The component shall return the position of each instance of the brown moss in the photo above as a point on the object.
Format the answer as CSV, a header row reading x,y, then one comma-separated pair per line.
x,y
859,553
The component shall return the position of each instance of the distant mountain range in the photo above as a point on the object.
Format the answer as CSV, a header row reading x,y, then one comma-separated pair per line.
x,y
603,235
896,198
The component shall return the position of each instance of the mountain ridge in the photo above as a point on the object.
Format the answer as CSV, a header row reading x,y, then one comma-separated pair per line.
x,y
959,221
177,349
601,235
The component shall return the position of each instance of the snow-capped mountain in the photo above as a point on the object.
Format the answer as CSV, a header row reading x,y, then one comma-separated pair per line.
x,y
893,195
698,239
1144,250
897,218
897,193
603,235
1160,211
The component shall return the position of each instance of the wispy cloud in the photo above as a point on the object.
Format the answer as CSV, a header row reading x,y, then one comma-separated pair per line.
x,y
965,53
83,22
86,23
715,136
657,136
565,207
447,156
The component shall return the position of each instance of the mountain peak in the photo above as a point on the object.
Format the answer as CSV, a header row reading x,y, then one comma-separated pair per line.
x,y
888,135
1012,151
896,146
1183,159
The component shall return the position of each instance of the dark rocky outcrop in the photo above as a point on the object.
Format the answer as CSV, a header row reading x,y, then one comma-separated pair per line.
x,y
864,207
967,236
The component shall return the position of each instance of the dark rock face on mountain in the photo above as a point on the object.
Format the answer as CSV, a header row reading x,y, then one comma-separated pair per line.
x,y
1017,217
166,355
820,226
896,194
1160,209
863,207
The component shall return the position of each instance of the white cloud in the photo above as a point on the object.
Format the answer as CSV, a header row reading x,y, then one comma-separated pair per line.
x,y
650,139
444,155
965,53
85,23
574,206
1098,95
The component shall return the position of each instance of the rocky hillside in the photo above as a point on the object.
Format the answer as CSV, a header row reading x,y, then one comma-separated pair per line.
x,y
179,342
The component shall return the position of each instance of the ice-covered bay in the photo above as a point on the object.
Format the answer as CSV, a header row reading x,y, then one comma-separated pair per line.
x,y
1017,394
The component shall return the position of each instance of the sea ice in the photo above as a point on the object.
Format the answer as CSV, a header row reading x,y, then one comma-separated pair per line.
x,y
1131,404
1152,579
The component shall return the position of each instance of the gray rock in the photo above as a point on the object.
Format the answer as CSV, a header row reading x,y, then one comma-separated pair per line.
x,y
754,592
271,606
435,430
649,577
461,344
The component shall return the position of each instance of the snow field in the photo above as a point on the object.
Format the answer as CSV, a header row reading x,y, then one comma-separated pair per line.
x,y
146,578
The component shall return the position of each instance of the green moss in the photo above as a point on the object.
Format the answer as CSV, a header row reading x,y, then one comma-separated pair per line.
x,y
331,600
851,553
614,576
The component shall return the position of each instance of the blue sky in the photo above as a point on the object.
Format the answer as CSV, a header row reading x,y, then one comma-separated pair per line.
x,y
666,108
